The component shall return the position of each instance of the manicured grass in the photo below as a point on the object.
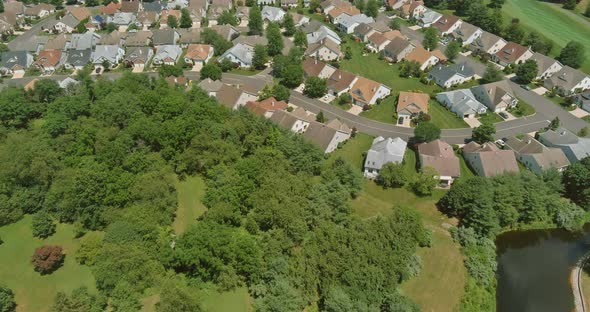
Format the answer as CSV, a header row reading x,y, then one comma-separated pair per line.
x,y
370,66
551,21
237,300
586,284
439,286
35,292
444,118
465,170
244,72
559,101
383,111
490,117
190,192
522,109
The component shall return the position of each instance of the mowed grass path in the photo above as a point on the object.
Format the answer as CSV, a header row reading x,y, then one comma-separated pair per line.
x,y
35,292
440,284
551,21
190,192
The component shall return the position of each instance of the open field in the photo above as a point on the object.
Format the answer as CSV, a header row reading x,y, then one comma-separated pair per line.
x,y
444,118
237,300
440,284
190,192
370,66
34,292
553,22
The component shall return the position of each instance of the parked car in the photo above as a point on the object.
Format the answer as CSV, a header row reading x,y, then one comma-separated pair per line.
x,y
400,121
503,115
501,143
526,87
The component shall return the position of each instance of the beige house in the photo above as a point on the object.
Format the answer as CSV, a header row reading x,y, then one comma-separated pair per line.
x,y
487,160
536,156
440,156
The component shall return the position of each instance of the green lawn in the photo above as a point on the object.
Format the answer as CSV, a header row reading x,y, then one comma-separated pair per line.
x,y
444,118
190,192
559,101
522,109
490,117
552,21
33,291
465,170
370,66
237,300
383,111
440,284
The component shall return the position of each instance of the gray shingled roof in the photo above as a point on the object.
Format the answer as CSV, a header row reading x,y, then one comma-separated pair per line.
x,y
385,151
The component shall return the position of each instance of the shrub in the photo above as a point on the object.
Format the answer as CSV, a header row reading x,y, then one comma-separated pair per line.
x,y
47,259
43,225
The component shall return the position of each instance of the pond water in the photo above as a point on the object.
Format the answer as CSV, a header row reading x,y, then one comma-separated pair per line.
x,y
534,269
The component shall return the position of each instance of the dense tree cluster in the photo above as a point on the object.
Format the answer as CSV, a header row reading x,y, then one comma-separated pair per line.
x,y
279,221
7,303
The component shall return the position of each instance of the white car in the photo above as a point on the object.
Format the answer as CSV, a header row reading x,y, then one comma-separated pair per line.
x,y
500,143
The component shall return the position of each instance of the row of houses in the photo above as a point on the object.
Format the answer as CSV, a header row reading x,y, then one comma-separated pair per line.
x,y
564,79
362,91
327,136
560,148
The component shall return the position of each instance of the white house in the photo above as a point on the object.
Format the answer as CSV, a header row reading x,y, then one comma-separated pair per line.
x,y
383,151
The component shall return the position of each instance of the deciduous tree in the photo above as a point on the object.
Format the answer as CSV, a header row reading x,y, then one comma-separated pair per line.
x,y
426,132
392,175
572,54
47,259
484,133
43,225
315,87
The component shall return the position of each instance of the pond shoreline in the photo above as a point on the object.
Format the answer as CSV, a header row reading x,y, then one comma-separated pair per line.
x,y
576,283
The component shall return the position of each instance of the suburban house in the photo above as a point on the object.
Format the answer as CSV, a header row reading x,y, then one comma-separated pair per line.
x,y
146,19
87,40
366,91
79,12
347,9
226,31
289,3
487,160
60,42
327,136
189,36
466,33
546,66
448,76
40,10
488,43
323,33
383,151
447,24
329,5
66,24
111,54
166,14
67,82
462,102
425,58
397,49
77,59
340,82
440,156
167,55
568,81
575,148
165,37
496,96
347,23
211,86
240,54
376,42
512,54
428,18
363,31
273,14
15,62
411,104
48,60
300,19
412,9
314,68
233,97
111,8
138,56
583,100
115,37
266,107
298,121
198,54
131,6
122,19
325,50
536,156
141,38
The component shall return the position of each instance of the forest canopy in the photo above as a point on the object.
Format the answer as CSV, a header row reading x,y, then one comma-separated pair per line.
x,y
104,156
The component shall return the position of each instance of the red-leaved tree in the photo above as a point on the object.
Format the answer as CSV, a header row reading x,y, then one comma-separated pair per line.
x,y
47,259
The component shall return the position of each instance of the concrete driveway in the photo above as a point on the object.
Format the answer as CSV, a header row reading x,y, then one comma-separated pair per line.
x,y
580,113
540,90
138,68
18,75
197,67
472,122
355,110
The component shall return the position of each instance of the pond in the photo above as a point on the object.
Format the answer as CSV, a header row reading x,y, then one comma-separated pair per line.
x,y
534,269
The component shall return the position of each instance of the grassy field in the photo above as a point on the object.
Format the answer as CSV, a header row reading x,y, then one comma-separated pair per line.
x,y
383,111
552,21
444,118
439,286
370,66
33,291
490,117
237,300
522,109
190,192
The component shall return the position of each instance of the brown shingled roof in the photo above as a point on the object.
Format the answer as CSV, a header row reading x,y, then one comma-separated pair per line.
x,y
198,52
413,102
440,156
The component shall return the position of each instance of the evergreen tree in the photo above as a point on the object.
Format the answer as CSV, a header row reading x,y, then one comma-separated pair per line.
x,y
300,39
289,25
320,117
260,57
492,74
185,19
430,41
572,54
452,50
275,39
172,21
255,23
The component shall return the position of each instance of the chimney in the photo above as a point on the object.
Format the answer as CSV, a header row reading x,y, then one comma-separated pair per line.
x,y
315,61
272,103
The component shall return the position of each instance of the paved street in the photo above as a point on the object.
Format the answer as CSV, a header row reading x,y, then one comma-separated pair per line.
x,y
27,35
545,110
